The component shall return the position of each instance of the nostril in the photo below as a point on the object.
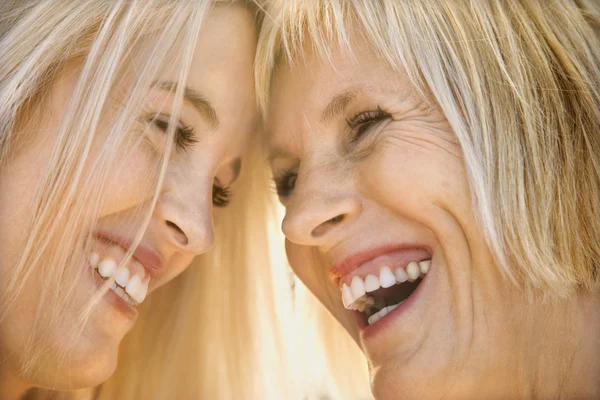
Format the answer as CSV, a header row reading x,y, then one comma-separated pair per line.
x,y
325,226
179,234
337,219
174,226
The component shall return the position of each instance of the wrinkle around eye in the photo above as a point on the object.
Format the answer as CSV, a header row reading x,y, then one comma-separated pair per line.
x,y
424,137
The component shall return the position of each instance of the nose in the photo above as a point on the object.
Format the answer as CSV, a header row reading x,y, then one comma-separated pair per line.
x,y
320,211
186,221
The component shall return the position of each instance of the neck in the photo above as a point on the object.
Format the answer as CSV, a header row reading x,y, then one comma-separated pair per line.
x,y
557,353
568,362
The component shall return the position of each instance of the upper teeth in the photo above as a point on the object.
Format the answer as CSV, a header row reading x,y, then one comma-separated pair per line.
x,y
130,285
354,296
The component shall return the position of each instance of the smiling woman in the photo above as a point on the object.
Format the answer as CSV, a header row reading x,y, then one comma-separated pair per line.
x,y
440,167
126,129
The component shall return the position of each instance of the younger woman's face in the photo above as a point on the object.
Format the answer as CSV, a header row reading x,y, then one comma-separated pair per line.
x,y
218,115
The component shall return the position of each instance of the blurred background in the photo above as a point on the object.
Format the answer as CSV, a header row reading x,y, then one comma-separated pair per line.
x,y
326,362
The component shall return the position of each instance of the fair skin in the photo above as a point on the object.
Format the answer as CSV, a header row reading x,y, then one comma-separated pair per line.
x,y
372,176
181,226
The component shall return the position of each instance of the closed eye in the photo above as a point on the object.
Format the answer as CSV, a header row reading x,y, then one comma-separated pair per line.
x,y
221,195
285,181
363,121
184,134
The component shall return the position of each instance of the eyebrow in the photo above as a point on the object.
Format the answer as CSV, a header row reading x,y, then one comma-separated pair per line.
x,y
335,107
338,104
200,103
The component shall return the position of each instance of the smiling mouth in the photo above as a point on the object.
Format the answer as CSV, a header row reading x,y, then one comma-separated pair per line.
x,y
376,295
127,284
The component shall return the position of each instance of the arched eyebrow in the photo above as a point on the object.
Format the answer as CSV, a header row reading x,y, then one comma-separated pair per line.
x,y
338,104
196,99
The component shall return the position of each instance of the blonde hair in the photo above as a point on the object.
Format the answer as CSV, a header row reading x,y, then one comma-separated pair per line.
x,y
519,82
199,336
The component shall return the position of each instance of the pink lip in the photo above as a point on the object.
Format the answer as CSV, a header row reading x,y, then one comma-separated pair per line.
x,y
145,255
354,261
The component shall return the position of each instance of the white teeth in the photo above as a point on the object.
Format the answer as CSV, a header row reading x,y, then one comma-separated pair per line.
x,y
413,271
373,318
94,259
354,295
371,283
357,286
123,294
122,276
382,313
386,277
401,276
347,298
107,267
424,266
131,289
392,308
120,291
137,289
378,315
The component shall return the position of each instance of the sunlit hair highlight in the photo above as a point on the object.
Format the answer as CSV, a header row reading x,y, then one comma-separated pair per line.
x,y
519,83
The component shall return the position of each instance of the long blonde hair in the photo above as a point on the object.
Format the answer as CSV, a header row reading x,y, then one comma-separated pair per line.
x,y
519,82
199,336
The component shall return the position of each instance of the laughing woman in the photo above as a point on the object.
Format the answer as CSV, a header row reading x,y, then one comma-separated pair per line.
x,y
439,162
125,130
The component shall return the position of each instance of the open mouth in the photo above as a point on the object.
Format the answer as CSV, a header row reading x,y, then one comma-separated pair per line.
x,y
128,284
376,295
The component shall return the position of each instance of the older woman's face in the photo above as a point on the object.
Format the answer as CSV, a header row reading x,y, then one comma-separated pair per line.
x,y
220,113
379,218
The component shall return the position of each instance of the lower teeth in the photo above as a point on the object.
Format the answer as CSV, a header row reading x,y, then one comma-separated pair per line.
x,y
119,291
382,313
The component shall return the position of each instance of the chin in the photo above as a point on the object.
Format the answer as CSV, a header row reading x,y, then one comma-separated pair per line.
x,y
85,366
389,382
95,368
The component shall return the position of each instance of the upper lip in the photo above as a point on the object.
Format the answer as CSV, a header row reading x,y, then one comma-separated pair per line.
x,y
149,258
350,263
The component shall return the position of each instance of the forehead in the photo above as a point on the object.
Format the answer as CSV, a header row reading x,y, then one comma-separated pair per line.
x,y
303,90
221,68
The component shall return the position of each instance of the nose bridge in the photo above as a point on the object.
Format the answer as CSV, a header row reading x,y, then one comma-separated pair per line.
x,y
323,203
185,210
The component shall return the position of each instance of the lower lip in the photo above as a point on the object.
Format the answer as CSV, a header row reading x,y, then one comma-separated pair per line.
x,y
370,332
118,303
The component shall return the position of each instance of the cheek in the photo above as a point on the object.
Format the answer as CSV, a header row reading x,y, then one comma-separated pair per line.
x,y
410,179
300,259
130,180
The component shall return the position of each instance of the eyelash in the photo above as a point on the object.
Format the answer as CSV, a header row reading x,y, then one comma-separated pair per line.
x,y
283,187
184,135
221,196
185,139
362,121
